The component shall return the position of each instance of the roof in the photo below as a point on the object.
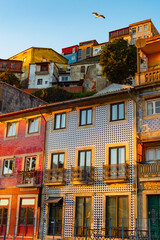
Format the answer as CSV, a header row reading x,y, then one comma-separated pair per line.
x,y
100,44
114,87
94,59
141,22
10,60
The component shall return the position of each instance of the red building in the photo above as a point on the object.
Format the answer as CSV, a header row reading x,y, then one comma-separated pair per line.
x,y
21,160
11,65
70,50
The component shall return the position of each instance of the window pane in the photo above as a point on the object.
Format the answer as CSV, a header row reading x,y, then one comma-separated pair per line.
x,y
121,155
149,108
0,215
89,116
88,158
61,160
33,163
88,211
122,211
57,125
22,215
36,125
30,217
83,117
121,111
5,170
114,112
9,130
54,163
10,168
113,156
27,165
79,215
63,120
150,155
157,154
111,211
5,215
31,126
157,106
81,159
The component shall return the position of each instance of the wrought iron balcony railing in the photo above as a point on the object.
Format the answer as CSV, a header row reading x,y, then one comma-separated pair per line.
x,y
27,179
82,175
149,171
55,176
115,172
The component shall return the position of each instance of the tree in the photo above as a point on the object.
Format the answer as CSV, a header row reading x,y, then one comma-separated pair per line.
x,y
10,78
119,61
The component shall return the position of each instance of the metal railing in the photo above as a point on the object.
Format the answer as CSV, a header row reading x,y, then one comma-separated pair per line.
x,y
115,172
55,176
27,178
149,170
82,175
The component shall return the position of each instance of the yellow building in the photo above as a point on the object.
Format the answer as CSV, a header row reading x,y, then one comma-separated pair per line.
x,y
85,49
37,54
134,31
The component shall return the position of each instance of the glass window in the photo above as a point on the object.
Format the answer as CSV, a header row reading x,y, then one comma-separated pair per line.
x,y
153,154
3,65
83,216
117,161
8,166
88,50
86,117
33,125
79,52
11,129
145,27
60,121
84,158
12,65
139,28
153,107
116,210
30,163
39,81
57,160
134,30
117,111
82,69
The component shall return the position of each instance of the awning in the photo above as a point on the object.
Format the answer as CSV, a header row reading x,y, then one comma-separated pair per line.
x,y
53,200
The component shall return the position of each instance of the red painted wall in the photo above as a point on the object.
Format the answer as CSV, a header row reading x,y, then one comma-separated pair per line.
x,y
69,50
17,67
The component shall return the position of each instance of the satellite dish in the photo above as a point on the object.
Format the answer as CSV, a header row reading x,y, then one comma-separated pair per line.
x,y
140,43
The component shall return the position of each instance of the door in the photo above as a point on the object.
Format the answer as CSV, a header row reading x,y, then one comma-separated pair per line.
x,y
154,215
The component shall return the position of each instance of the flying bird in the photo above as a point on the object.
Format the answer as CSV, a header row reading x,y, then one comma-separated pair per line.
x,y
98,15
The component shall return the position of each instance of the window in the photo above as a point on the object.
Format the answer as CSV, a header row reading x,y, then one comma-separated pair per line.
x,y
8,166
139,28
46,82
88,50
39,81
153,154
82,69
79,52
84,158
30,163
116,210
24,59
4,205
55,216
83,216
117,161
146,27
153,107
120,32
73,58
60,121
64,79
12,65
44,67
57,160
11,129
145,36
126,31
102,47
73,50
33,125
133,30
117,111
86,117
3,65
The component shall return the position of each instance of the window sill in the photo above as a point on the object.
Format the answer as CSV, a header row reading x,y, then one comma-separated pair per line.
x,y
153,116
117,122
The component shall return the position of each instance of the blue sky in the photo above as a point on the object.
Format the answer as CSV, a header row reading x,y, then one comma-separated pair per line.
x,y
62,23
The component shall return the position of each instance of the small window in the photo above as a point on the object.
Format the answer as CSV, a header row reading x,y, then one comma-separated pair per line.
x,y
133,30
84,158
57,160
11,129
153,154
139,28
64,79
46,82
73,50
8,167
82,69
125,31
153,107
73,58
79,52
30,163
117,160
145,36
102,47
33,125
117,111
120,32
39,81
12,65
88,50
60,121
44,67
86,117
146,27
3,65
24,59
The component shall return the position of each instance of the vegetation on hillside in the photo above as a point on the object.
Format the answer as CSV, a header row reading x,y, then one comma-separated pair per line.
x,y
10,78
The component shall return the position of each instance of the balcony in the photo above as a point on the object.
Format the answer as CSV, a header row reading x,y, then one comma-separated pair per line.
x,y
149,171
82,175
27,179
42,72
55,177
115,173
149,76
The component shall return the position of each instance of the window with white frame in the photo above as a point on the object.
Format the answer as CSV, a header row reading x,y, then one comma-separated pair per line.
x,y
8,166
153,107
33,125
30,163
11,129
60,121
153,154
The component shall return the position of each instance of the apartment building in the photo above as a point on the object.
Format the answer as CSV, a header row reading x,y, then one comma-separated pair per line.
x,y
13,66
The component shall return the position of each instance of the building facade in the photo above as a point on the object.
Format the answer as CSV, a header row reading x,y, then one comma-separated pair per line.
x,y
85,49
97,49
90,158
11,65
21,165
70,53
